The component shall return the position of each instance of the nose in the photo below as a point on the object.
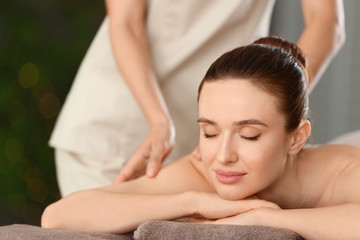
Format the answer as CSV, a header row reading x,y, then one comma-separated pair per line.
x,y
226,151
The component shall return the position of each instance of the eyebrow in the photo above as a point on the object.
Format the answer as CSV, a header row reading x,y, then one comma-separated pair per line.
x,y
237,123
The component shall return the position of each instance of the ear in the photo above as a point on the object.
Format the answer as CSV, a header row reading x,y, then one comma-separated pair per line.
x,y
299,137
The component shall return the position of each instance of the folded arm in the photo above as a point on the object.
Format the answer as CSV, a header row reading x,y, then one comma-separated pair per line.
x,y
330,223
335,222
103,211
119,208
179,190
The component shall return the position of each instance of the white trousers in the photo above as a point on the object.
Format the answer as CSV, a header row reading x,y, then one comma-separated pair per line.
x,y
76,172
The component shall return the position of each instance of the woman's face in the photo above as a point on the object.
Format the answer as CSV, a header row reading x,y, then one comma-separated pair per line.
x,y
243,143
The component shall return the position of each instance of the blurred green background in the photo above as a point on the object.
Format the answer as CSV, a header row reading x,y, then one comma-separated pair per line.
x,y
42,44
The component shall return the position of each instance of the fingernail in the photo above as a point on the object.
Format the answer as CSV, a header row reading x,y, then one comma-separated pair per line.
x,y
150,171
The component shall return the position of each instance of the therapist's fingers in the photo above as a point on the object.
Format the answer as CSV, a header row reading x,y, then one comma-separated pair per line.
x,y
136,165
153,166
158,155
162,142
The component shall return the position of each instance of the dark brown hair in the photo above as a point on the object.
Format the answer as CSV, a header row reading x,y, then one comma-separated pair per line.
x,y
276,66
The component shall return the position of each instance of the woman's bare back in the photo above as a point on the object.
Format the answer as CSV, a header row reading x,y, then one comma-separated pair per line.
x,y
324,176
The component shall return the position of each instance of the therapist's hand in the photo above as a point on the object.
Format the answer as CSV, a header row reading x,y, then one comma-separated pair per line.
x,y
149,156
196,153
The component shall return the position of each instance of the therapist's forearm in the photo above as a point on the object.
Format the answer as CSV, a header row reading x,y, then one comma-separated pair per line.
x,y
130,48
323,36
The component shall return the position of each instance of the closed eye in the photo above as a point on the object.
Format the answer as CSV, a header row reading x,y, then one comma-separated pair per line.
x,y
253,138
209,135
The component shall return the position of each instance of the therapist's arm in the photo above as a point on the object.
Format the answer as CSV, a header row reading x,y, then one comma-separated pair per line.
x,y
323,35
130,47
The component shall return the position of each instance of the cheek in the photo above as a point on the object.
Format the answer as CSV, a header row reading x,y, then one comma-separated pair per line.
x,y
265,156
207,150
271,160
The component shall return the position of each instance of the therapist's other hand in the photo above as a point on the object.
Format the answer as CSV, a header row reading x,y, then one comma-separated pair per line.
x,y
149,156
196,153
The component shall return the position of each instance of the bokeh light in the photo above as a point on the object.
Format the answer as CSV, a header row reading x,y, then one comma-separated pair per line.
x,y
28,75
37,190
49,105
43,87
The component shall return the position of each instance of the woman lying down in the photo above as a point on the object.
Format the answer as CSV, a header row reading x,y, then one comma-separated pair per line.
x,y
254,168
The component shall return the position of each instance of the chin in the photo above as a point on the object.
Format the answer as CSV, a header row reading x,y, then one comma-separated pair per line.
x,y
229,193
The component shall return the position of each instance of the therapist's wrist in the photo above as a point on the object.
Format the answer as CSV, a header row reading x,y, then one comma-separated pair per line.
x,y
160,121
164,130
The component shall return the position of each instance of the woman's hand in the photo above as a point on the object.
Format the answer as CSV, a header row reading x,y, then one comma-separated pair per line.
x,y
212,206
150,154
258,216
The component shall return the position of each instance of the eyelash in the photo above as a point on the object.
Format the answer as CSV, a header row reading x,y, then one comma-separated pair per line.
x,y
254,138
209,135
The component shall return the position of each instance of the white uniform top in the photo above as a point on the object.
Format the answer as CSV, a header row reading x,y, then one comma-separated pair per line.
x,y
100,118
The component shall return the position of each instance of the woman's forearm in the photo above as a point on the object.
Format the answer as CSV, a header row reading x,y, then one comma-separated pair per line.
x,y
335,222
102,211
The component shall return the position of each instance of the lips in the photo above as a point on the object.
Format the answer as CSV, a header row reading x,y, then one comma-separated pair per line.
x,y
229,177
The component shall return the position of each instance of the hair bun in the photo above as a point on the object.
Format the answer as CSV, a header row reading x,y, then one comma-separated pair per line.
x,y
287,46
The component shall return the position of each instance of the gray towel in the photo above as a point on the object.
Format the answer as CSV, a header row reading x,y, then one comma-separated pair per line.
x,y
27,232
180,230
153,230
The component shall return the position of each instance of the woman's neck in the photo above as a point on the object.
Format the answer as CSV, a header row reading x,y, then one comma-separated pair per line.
x,y
286,190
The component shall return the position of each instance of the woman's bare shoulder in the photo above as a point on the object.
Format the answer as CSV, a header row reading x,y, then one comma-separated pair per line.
x,y
332,154
340,148
347,183
185,174
339,164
